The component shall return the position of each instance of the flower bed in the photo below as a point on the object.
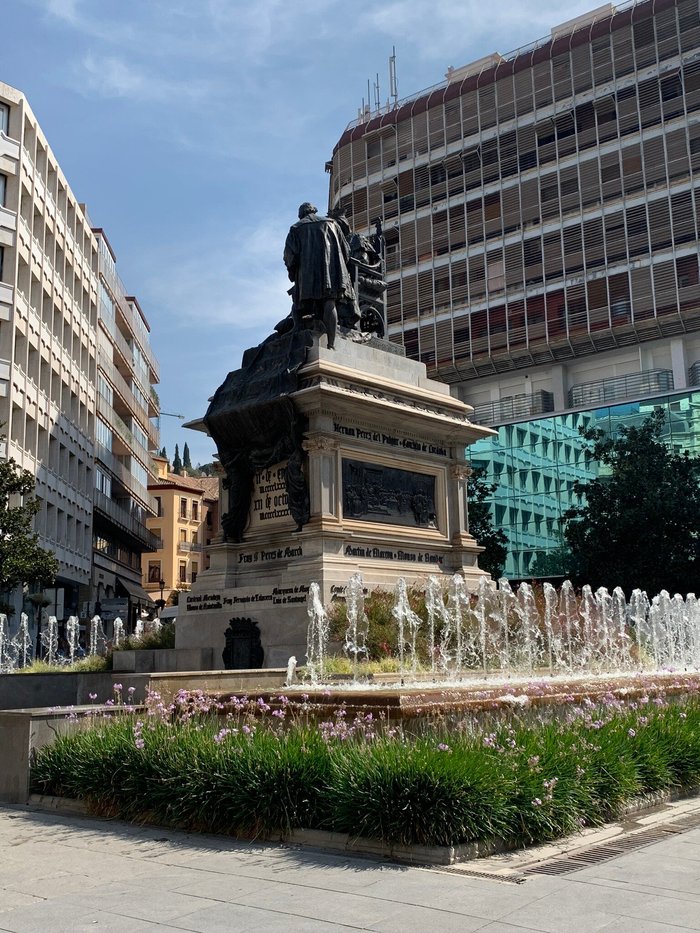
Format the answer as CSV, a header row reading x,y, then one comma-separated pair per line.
x,y
249,768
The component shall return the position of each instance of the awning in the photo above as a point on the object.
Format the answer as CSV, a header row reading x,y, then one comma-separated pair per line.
x,y
134,590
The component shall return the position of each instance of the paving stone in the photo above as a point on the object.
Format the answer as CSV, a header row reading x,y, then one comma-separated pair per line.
x,y
118,878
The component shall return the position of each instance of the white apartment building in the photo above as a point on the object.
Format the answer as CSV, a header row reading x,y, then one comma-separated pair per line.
x,y
57,281
48,341
126,433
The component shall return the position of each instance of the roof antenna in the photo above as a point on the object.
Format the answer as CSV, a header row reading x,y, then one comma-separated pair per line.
x,y
393,85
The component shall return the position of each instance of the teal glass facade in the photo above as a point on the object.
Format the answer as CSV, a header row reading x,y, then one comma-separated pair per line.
x,y
536,463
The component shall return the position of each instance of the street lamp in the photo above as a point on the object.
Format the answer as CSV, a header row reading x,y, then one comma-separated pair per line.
x,y
161,602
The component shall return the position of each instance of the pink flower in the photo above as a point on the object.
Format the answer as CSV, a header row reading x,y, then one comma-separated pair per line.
x,y
631,733
442,747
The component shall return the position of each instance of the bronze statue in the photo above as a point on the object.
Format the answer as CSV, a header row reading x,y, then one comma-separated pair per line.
x,y
338,278
317,258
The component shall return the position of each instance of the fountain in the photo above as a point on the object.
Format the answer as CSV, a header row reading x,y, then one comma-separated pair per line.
x,y
318,630
22,643
491,631
7,655
358,623
73,637
49,641
118,636
98,639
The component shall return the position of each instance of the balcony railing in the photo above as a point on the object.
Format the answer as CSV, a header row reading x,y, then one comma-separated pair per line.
x,y
125,476
126,393
513,408
187,546
621,387
126,521
116,286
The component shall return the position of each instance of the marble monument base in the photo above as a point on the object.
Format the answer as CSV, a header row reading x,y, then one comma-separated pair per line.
x,y
384,462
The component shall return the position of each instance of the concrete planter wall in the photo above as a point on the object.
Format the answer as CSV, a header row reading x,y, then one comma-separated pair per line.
x,y
28,691
145,660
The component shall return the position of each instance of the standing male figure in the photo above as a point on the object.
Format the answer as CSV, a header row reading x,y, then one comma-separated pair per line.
x,y
317,256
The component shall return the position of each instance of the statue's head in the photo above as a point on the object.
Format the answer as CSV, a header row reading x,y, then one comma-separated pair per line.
x,y
307,208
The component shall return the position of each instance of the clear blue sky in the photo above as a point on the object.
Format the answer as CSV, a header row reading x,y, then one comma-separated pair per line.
x,y
193,129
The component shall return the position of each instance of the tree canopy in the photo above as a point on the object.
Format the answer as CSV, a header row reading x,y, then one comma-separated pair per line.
x,y
186,461
493,540
639,522
177,462
22,559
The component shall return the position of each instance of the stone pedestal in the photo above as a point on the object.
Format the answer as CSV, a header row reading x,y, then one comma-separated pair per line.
x,y
384,460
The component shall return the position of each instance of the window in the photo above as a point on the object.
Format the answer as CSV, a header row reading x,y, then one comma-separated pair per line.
x,y
103,482
183,571
4,118
195,511
183,536
139,472
183,508
195,570
3,187
139,433
105,389
106,303
154,571
103,434
159,506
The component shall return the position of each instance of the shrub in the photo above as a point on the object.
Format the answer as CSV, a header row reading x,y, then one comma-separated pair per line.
x,y
382,633
261,769
162,637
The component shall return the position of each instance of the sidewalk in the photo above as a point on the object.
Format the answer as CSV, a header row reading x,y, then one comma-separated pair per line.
x,y
61,874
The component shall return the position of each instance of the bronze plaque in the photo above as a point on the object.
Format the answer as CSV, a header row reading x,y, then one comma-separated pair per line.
x,y
374,493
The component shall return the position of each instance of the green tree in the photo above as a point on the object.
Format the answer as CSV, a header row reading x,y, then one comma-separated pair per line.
x,y
639,522
22,559
186,462
481,526
177,462
164,453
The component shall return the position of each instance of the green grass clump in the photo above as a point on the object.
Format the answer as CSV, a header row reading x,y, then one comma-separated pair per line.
x,y
91,664
262,771
419,794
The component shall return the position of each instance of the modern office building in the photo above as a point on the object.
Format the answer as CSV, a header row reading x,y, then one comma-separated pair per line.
x,y
61,348
187,518
541,218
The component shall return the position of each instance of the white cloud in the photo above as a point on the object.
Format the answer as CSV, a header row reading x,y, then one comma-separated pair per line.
x,y
444,27
64,9
111,76
238,284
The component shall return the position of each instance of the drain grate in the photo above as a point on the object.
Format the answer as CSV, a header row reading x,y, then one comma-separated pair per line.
x,y
475,873
596,854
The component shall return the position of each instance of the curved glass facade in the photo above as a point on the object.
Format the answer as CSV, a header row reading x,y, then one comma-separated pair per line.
x,y
535,464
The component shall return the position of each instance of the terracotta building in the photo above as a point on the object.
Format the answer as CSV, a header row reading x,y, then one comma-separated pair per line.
x,y
187,516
